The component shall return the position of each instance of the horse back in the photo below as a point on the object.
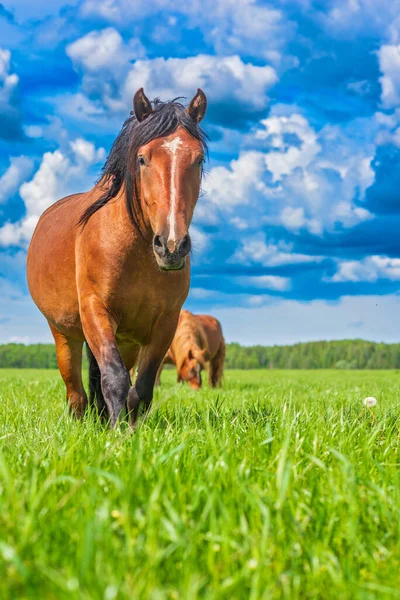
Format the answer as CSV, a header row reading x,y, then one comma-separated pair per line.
x,y
213,331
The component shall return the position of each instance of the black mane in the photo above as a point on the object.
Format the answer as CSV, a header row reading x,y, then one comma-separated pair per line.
x,y
121,164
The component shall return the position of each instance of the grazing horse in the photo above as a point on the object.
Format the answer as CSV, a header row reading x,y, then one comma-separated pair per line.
x,y
111,266
198,344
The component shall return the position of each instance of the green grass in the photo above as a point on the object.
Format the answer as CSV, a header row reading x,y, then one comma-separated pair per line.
x,y
280,485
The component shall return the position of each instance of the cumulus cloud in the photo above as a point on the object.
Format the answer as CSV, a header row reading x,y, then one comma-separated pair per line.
x,y
389,61
237,90
59,173
266,282
199,239
284,156
294,219
227,26
256,250
10,126
239,183
8,81
225,79
104,49
20,168
293,180
103,59
245,27
369,269
107,9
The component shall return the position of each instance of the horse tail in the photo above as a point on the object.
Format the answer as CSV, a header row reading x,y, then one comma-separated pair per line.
x,y
96,398
216,372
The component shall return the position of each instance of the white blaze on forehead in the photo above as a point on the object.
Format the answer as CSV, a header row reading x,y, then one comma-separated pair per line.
x,y
172,148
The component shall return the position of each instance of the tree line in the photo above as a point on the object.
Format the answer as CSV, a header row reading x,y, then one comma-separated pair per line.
x,y
344,354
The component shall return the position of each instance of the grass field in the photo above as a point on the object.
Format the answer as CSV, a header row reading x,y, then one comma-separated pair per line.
x,y
280,485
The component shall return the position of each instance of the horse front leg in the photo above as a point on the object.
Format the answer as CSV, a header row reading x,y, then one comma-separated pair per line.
x,y
150,360
99,328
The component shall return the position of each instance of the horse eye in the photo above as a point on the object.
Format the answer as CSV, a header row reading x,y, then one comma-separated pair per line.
x,y
141,161
200,161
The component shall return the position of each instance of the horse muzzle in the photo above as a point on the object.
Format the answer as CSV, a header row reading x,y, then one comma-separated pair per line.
x,y
171,255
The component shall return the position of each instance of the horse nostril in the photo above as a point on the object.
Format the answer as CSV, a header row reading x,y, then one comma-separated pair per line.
x,y
185,246
159,245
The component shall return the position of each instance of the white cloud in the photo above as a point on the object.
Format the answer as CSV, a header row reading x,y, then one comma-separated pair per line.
x,y
227,26
107,9
389,61
59,174
267,282
319,176
352,18
104,49
222,78
255,250
369,269
108,86
104,59
283,157
199,239
97,49
239,223
201,293
205,212
326,197
245,28
79,107
20,168
239,184
294,219
8,81
294,178
86,152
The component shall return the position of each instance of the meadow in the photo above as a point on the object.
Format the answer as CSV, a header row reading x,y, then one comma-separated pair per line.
x,y
280,485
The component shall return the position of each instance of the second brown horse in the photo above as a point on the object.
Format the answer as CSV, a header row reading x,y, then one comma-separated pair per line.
x,y
198,344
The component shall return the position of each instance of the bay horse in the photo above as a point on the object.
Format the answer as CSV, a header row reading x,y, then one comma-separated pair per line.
x,y
198,344
111,266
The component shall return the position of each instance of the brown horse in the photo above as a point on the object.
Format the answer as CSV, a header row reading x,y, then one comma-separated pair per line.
x,y
198,344
111,266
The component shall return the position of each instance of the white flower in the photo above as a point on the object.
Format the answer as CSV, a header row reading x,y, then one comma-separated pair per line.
x,y
370,401
253,564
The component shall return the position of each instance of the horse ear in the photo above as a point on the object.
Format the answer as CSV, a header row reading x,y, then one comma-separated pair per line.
x,y
198,106
141,105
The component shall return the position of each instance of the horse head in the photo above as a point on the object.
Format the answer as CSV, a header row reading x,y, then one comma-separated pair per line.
x,y
193,365
169,170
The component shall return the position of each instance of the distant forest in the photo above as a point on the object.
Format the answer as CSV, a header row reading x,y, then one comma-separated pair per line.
x,y
345,354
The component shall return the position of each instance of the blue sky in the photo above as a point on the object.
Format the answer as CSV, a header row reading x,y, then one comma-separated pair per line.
x,y
296,236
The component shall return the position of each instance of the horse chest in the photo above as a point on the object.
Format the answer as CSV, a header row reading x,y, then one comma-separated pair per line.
x,y
139,317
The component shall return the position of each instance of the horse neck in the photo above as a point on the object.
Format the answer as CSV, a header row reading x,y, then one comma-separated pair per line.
x,y
124,231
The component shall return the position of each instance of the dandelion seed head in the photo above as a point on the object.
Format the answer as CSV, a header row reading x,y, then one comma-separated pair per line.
x,y
370,401
253,564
